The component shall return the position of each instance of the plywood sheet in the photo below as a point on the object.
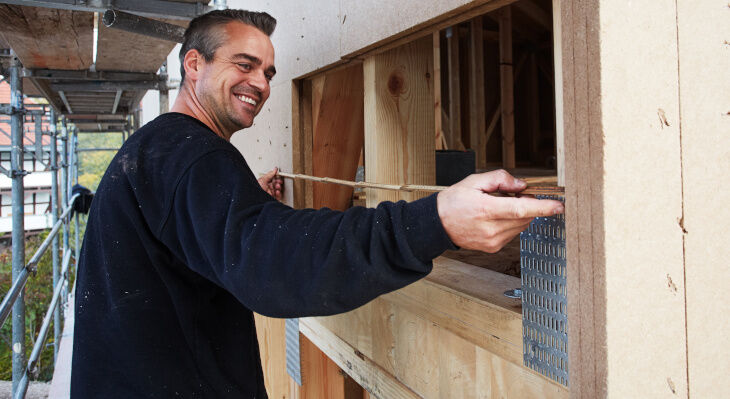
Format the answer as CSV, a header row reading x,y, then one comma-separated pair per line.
x,y
369,24
704,86
125,51
48,38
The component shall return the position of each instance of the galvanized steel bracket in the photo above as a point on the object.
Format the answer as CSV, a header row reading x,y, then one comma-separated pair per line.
x,y
544,297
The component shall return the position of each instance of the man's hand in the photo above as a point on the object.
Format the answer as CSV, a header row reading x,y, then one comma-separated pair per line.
x,y
474,219
272,183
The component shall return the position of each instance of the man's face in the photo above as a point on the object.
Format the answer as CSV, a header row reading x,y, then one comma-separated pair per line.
x,y
233,87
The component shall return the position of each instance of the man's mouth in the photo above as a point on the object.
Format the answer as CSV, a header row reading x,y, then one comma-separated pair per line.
x,y
247,99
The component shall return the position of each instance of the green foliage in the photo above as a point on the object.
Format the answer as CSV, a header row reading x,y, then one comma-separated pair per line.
x,y
38,293
93,164
39,288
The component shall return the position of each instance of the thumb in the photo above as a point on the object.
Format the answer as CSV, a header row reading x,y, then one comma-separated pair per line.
x,y
498,180
270,174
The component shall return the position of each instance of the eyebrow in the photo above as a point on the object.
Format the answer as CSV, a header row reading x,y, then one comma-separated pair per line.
x,y
255,60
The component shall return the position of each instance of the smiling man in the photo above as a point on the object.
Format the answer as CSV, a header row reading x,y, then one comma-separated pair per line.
x,y
183,243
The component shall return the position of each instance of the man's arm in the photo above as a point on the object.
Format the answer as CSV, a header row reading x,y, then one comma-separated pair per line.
x,y
283,262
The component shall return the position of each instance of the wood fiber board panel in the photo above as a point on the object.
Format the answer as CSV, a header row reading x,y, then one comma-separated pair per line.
x,y
48,38
272,346
634,117
704,87
375,26
399,128
119,50
268,143
306,38
577,304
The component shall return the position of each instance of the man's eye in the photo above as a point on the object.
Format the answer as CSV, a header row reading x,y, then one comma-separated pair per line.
x,y
245,67
269,77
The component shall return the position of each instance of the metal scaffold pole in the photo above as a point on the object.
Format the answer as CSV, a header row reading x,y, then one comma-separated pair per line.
x,y
164,93
65,190
18,207
77,247
54,211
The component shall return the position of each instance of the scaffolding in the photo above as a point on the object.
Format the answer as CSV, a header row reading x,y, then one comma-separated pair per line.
x,y
84,97
21,269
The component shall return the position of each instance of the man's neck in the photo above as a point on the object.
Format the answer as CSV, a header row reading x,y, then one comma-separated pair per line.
x,y
187,103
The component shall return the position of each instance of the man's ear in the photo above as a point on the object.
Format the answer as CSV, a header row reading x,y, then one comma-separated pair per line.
x,y
193,62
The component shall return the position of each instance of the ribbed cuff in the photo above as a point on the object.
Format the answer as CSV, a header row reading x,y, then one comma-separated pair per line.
x,y
424,231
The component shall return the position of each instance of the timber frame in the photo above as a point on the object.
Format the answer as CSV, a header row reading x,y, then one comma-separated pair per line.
x,y
636,118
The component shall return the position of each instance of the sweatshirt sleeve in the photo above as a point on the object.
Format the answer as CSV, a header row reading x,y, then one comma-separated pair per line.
x,y
283,262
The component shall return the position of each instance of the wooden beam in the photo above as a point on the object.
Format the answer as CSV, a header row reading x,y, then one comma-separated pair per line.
x,y
452,48
533,108
476,93
378,382
321,376
49,38
535,13
399,128
434,335
506,87
272,346
337,119
302,141
558,85
437,106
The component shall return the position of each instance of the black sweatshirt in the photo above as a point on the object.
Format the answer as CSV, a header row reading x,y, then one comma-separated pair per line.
x,y
182,245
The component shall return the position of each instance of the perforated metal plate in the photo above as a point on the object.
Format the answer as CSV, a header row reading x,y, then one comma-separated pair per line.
x,y
544,302
293,361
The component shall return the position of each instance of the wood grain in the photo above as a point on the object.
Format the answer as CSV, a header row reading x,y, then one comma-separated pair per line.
x,y
48,38
506,87
272,346
126,51
399,129
338,133
477,100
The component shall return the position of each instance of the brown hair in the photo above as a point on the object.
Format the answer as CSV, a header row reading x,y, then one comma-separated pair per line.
x,y
203,33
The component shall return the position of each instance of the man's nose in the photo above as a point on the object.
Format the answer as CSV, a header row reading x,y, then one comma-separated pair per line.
x,y
259,82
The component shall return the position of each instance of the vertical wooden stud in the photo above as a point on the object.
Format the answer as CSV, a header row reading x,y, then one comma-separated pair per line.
x,y
337,119
477,128
399,129
558,68
506,87
437,106
452,47
533,109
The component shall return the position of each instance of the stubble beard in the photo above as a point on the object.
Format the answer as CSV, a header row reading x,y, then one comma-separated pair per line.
x,y
225,116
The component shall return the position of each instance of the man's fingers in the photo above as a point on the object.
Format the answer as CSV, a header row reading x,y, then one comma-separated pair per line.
x,y
270,174
520,208
497,181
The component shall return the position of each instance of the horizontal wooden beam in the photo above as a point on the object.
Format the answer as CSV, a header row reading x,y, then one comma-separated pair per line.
x,y
378,382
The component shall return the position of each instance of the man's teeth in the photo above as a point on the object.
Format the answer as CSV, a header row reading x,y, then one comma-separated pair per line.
x,y
247,100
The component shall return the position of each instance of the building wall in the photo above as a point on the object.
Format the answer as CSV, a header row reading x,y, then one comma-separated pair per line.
x,y
646,121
